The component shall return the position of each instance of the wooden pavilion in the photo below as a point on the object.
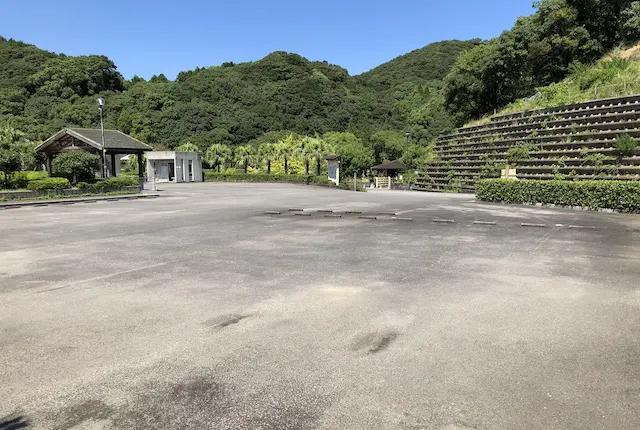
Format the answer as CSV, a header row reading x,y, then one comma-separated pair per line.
x,y
116,145
390,169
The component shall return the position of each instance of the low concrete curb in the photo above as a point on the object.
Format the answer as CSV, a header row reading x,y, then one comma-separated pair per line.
x,y
14,204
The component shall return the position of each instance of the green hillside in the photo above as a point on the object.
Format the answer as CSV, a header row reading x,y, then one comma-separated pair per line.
x,y
419,67
42,92
615,75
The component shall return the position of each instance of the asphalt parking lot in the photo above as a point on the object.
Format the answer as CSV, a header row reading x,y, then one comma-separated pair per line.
x,y
397,310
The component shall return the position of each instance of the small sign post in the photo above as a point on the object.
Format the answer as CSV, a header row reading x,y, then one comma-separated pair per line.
x,y
334,168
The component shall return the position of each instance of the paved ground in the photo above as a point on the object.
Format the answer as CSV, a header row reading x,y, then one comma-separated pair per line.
x,y
197,310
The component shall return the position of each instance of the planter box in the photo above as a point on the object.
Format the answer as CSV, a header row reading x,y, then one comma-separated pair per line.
x,y
399,186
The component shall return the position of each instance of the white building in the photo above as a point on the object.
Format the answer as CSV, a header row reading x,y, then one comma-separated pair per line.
x,y
173,166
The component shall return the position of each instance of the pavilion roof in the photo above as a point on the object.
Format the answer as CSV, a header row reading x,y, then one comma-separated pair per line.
x,y
113,139
391,165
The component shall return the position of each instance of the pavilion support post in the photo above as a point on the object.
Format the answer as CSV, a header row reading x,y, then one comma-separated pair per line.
x,y
140,170
103,165
48,164
113,165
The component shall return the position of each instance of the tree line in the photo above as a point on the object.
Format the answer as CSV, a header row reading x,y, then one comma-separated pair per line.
x,y
422,93
297,154
543,48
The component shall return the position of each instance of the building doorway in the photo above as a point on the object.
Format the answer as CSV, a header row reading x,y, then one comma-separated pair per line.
x,y
172,170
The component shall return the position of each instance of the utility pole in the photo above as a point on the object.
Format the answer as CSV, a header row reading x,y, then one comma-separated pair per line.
x,y
104,151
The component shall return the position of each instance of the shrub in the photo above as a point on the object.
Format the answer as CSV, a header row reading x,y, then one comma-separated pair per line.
x,y
21,179
109,184
519,153
619,195
76,166
264,177
49,184
625,146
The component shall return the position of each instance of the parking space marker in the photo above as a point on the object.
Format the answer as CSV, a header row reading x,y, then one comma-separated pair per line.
x,y
302,214
526,224
272,213
395,218
444,221
582,227
387,213
353,212
485,222
333,216
296,210
325,211
367,217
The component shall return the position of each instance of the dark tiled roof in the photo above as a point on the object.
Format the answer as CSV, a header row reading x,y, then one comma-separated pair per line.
x,y
113,139
391,165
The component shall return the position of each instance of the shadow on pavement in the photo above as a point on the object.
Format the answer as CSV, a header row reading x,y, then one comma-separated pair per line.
x,y
14,423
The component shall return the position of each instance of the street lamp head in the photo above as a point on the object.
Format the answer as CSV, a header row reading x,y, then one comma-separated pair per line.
x,y
407,134
100,102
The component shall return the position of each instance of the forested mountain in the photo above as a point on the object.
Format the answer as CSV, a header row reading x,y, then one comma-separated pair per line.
x,y
419,67
41,92
423,92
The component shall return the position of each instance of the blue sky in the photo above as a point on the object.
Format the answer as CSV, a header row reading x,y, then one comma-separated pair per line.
x,y
150,37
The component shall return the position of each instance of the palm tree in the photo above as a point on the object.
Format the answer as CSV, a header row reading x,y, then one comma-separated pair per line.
x,y
243,154
188,147
217,155
303,149
317,150
285,149
266,152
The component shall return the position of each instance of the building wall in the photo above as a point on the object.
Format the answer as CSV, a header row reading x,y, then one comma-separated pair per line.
x,y
158,159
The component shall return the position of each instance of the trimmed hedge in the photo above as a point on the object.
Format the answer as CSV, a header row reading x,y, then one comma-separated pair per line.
x,y
109,184
49,184
18,180
264,177
619,195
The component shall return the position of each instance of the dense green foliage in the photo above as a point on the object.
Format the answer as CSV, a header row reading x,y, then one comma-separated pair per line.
x,y
539,50
233,104
626,146
49,184
256,115
20,180
619,195
610,77
108,184
16,153
261,177
188,147
76,166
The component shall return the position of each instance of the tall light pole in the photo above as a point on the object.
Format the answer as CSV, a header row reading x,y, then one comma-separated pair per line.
x,y
104,151
407,135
